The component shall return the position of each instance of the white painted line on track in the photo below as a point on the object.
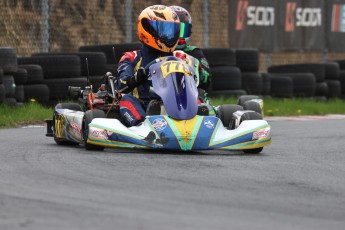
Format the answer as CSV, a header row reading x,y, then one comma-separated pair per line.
x,y
306,118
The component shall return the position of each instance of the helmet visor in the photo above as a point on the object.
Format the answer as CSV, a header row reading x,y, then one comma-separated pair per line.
x,y
185,30
166,32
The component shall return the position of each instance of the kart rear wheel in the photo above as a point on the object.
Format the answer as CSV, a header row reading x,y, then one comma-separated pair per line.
x,y
57,119
224,113
252,105
88,117
252,116
242,99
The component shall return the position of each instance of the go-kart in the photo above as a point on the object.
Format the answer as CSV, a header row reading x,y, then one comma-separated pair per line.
x,y
177,127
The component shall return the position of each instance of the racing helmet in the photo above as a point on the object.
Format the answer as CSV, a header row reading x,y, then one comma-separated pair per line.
x,y
185,26
159,28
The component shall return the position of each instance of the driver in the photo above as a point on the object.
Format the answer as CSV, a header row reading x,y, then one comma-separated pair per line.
x,y
183,44
158,31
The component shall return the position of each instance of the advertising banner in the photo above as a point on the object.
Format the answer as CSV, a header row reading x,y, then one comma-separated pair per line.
x,y
273,26
301,26
252,24
335,16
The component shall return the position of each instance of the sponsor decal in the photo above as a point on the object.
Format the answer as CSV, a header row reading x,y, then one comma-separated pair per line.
x,y
253,15
289,16
128,117
261,134
159,124
75,127
338,18
301,17
209,124
99,133
242,7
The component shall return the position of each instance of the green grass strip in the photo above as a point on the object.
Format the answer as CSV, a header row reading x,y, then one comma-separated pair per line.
x,y
30,113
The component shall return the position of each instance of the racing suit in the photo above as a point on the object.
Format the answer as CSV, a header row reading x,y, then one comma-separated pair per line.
x,y
134,102
204,68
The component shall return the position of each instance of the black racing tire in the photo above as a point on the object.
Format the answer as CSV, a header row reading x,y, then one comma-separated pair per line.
x,y
247,60
97,81
321,89
342,81
11,101
252,82
8,60
226,78
252,105
334,88
242,99
10,86
266,84
37,92
281,86
19,93
58,88
112,68
34,73
2,93
121,48
251,116
107,49
1,76
95,64
62,66
220,56
341,64
71,106
304,84
224,113
113,52
332,70
21,76
227,93
88,117
317,69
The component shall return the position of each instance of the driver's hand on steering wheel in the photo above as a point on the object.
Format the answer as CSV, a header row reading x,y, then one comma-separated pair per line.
x,y
141,76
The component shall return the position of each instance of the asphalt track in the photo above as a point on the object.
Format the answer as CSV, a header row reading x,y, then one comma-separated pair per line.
x,y
298,182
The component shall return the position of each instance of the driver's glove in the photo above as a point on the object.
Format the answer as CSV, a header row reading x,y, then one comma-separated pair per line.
x,y
139,78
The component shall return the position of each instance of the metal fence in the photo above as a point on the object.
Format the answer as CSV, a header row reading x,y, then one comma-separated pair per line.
x,y
64,25
61,25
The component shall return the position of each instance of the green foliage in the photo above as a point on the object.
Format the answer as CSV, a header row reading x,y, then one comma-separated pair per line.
x,y
29,113
294,106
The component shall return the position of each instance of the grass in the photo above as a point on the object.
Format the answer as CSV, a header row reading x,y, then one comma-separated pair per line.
x,y
30,113
294,106
33,113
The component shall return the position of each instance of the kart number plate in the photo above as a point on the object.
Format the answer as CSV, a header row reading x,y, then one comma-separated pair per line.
x,y
173,67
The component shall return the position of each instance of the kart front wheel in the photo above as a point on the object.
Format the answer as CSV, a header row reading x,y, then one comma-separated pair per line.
x,y
224,113
57,123
252,116
88,117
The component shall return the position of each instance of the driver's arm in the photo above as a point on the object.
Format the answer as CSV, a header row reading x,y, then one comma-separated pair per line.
x,y
127,77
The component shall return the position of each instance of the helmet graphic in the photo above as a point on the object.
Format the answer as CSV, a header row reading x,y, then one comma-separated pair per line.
x,y
159,28
185,26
